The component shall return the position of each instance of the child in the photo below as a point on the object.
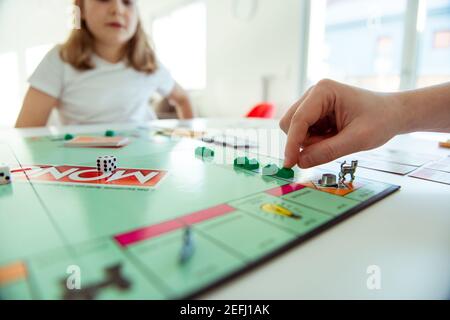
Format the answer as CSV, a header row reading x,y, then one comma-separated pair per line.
x,y
106,72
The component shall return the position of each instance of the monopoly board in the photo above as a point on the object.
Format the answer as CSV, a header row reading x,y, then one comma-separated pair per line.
x,y
68,231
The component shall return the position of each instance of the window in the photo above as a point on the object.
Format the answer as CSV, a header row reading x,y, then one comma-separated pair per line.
x,y
180,41
357,41
434,45
441,40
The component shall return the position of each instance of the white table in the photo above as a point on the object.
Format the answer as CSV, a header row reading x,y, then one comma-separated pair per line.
x,y
407,235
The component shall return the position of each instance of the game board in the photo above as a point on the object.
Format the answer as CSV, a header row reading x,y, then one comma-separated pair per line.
x,y
120,238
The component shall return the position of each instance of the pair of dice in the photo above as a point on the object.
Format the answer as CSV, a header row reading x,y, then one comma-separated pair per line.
x,y
5,174
106,164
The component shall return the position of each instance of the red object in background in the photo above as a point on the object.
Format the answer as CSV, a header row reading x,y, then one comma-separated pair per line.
x,y
263,110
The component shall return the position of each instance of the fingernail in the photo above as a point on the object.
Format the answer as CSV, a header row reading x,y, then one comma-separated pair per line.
x,y
286,164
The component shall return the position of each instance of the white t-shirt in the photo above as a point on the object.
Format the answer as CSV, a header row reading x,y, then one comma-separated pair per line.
x,y
109,93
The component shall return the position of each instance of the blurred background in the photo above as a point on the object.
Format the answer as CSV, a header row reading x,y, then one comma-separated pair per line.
x,y
234,54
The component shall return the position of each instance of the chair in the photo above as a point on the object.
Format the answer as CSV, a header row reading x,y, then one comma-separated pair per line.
x,y
262,110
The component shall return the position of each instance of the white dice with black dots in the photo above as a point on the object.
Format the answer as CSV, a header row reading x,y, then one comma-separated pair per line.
x,y
106,164
5,174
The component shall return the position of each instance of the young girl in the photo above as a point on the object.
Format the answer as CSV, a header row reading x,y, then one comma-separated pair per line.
x,y
106,72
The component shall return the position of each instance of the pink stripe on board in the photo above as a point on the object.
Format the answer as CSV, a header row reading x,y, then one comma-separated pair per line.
x,y
156,230
153,231
207,214
283,190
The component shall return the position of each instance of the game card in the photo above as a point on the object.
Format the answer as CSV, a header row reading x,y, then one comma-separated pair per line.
x,y
230,141
390,167
441,165
432,175
99,142
399,156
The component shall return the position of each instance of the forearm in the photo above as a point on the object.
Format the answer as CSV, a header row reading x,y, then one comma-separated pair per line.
x,y
425,109
180,99
36,109
184,109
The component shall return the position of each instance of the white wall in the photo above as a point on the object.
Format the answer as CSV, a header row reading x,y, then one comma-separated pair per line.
x,y
241,53
27,28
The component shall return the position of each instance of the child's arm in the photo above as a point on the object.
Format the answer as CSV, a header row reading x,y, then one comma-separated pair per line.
x,y
180,99
36,109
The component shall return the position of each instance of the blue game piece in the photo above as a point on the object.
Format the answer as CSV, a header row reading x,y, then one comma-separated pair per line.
x,y
188,248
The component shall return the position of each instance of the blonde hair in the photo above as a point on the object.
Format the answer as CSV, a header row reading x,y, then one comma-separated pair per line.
x,y
79,47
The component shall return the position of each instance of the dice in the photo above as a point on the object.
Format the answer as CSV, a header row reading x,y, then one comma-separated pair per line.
x,y
106,164
5,174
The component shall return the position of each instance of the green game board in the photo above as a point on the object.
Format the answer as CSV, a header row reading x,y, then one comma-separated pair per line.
x,y
124,235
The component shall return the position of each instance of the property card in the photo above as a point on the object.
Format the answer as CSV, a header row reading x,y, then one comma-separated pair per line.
x,y
432,175
99,142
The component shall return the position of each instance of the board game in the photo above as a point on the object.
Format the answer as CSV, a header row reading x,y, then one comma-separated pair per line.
x,y
167,223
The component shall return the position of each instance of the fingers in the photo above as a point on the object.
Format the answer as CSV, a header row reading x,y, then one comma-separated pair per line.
x,y
346,142
315,139
306,115
285,122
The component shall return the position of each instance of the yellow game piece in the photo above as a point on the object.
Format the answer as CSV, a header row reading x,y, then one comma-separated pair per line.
x,y
445,144
12,272
279,210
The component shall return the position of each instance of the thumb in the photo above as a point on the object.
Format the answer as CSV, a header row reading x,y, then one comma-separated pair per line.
x,y
342,144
